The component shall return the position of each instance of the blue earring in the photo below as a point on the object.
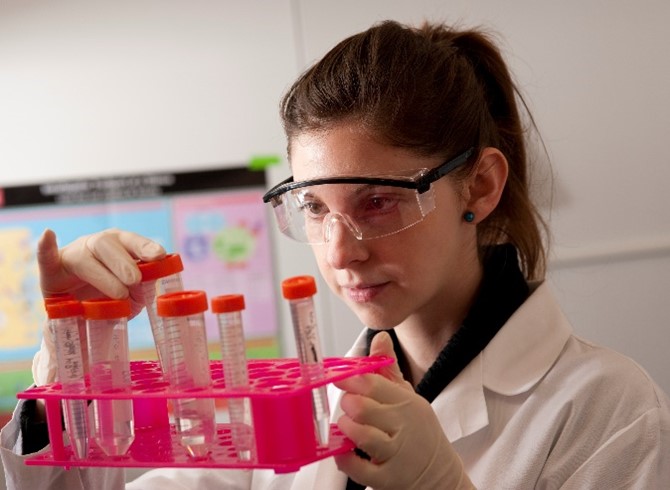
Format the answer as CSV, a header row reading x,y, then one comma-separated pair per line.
x,y
469,216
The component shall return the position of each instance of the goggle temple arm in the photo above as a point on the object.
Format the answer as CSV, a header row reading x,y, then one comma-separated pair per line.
x,y
424,182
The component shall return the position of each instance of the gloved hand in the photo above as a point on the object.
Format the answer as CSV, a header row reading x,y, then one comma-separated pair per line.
x,y
93,265
101,264
398,429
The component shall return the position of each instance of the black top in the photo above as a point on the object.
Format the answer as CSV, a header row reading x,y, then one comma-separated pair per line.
x,y
502,291
34,434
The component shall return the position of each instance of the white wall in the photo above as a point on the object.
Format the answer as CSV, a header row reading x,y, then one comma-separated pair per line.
x,y
91,88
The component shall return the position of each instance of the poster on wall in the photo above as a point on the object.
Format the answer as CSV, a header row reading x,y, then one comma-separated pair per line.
x,y
215,219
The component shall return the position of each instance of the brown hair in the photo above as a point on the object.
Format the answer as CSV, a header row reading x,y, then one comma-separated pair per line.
x,y
437,91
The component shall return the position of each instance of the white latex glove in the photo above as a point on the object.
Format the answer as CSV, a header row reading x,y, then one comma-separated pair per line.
x,y
101,264
398,429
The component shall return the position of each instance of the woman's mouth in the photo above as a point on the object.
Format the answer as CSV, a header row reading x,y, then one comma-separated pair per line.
x,y
363,293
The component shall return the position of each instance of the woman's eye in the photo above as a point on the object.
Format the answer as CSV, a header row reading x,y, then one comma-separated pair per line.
x,y
379,204
313,209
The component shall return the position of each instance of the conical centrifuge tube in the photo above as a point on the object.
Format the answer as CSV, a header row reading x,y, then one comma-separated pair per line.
x,y
64,320
109,365
228,311
160,277
187,368
300,291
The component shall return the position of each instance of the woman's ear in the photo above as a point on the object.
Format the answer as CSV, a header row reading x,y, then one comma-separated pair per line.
x,y
486,183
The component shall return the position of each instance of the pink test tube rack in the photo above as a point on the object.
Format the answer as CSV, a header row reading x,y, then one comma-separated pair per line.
x,y
282,414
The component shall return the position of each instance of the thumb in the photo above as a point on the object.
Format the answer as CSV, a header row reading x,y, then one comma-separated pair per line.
x,y
47,252
382,345
48,260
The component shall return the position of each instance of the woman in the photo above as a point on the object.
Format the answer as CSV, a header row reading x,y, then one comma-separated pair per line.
x,y
410,184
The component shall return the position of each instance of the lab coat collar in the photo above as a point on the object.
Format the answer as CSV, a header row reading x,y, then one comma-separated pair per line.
x,y
527,345
520,354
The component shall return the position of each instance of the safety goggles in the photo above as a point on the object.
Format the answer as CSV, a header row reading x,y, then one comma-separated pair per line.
x,y
368,206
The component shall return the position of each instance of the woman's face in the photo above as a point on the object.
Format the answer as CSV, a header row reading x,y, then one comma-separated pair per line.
x,y
417,274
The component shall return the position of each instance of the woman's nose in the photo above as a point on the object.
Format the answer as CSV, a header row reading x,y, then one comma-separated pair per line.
x,y
343,242
330,226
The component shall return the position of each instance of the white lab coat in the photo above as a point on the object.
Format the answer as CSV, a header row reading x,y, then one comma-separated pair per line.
x,y
537,408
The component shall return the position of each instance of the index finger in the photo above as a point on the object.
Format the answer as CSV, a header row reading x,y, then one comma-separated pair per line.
x,y
140,247
119,250
375,386
108,260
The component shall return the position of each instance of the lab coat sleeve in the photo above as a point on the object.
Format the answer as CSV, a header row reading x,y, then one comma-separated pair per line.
x,y
635,457
19,476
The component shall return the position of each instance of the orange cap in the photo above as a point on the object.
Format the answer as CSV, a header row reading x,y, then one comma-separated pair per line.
x,y
181,303
155,269
64,309
106,308
57,297
298,287
227,303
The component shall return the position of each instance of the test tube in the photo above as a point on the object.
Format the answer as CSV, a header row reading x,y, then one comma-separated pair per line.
x,y
109,365
64,318
160,277
228,310
300,291
187,368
